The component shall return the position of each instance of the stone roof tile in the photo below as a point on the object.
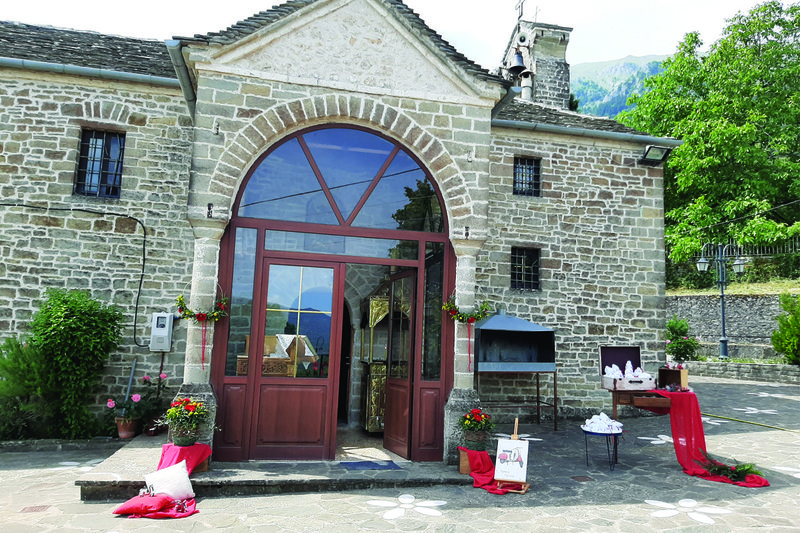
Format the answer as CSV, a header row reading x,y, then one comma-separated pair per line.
x,y
524,111
85,49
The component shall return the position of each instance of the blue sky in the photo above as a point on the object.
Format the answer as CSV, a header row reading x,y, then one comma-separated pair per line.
x,y
603,30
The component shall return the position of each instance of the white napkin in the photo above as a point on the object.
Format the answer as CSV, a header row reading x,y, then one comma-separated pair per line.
x,y
602,424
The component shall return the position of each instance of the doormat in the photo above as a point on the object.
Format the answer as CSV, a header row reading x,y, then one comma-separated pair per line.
x,y
370,465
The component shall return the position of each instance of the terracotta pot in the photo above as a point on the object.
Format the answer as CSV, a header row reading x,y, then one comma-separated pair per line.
x,y
128,428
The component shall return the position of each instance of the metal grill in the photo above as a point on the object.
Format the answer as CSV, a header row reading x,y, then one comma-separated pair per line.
x,y
100,164
525,268
527,176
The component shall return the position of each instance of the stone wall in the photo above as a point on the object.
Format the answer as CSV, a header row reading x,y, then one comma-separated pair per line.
x,y
746,372
52,238
749,319
599,226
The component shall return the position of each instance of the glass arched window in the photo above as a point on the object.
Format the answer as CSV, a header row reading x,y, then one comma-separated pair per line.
x,y
346,177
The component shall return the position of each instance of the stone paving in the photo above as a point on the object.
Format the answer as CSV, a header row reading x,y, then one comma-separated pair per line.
x,y
646,491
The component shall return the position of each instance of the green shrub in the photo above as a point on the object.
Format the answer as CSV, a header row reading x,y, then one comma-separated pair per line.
x,y
680,346
23,412
786,339
75,335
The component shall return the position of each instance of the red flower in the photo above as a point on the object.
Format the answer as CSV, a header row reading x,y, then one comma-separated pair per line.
x,y
200,317
476,411
189,407
478,418
453,312
470,320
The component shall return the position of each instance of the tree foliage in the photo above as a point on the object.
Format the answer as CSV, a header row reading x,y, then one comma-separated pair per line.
x,y
786,339
737,109
75,335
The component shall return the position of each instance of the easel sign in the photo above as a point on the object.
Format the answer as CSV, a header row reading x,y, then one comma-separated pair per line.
x,y
512,461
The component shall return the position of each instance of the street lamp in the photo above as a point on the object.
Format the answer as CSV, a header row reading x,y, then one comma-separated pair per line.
x,y
723,253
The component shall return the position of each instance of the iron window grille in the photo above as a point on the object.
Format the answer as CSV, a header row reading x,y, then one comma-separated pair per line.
x,y
527,176
100,164
525,264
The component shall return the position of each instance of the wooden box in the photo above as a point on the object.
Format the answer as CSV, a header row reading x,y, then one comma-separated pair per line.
x,y
673,376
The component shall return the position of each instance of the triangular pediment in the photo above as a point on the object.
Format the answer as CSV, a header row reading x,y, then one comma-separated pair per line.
x,y
359,45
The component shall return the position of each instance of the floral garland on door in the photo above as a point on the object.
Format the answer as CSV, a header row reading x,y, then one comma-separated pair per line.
x,y
219,311
467,318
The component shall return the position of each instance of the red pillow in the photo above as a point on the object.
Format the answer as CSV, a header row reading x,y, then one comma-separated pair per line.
x,y
145,503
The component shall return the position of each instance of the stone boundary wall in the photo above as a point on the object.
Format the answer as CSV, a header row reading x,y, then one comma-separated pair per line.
x,y
748,319
746,372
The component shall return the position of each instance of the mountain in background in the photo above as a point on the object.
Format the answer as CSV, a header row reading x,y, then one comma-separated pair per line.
x,y
602,89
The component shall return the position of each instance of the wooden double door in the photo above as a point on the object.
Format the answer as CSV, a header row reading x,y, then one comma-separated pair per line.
x,y
281,403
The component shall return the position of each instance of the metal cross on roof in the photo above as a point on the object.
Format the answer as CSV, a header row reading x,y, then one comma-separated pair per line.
x,y
520,7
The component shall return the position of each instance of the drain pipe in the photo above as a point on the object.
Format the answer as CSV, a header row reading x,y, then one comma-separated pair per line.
x,y
185,80
130,383
74,70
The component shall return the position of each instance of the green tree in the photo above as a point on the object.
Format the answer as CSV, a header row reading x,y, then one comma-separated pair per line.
x,y
737,110
680,346
23,411
75,335
786,339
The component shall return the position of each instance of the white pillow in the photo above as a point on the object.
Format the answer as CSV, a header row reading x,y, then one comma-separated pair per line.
x,y
173,480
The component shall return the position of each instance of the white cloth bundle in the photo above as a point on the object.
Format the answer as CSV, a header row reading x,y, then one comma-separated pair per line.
x,y
614,372
602,424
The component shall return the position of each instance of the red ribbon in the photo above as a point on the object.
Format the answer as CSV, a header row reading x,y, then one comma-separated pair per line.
x,y
469,346
204,329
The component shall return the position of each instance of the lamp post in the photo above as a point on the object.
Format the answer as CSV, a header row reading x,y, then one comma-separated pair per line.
x,y
723,253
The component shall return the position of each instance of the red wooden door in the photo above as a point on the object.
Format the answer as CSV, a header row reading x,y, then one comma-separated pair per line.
x,y
401,365
295,385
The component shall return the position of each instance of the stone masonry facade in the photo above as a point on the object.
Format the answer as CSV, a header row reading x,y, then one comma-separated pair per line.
x,y
52,238
599,228
598,223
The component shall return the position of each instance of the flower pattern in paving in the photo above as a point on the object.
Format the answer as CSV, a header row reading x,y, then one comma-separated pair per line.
x,y
660,439
688,506
407,502
754,411
712,421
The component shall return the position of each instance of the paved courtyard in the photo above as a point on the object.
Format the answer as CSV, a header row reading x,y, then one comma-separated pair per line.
x,y
646,491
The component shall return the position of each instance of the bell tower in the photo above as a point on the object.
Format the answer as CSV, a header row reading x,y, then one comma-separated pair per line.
x,y
535,59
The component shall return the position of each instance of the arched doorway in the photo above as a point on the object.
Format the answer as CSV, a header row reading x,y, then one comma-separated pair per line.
x,y
326,220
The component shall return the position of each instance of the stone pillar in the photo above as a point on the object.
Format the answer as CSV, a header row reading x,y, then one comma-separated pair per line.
x,y
463,397
197,367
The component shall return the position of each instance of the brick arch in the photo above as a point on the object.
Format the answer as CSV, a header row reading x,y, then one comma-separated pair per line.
x,y
277,122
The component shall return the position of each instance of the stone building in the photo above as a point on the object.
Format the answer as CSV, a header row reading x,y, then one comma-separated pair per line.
x,y
338,171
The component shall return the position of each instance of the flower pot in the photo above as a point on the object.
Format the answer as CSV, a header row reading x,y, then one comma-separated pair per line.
x,y
127,428
476,440
183,436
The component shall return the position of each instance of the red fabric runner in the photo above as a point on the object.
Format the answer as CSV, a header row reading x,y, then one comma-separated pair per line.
x,y
482,471
194,455
689,438
179,509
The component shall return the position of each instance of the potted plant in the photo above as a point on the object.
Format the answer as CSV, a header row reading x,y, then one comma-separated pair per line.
x,y
185,417
127,415
476,426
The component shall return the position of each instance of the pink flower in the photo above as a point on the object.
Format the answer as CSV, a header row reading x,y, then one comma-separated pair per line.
x,y
669,341
111,404
162,376
145,378
136,398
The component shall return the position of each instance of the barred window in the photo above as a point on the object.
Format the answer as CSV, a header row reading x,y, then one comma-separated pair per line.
x,y
527,176
100,164
525,268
